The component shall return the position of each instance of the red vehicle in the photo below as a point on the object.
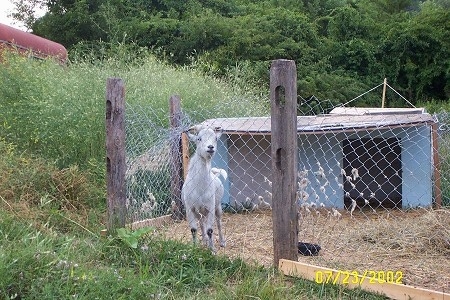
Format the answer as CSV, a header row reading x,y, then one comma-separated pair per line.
x,y
30,44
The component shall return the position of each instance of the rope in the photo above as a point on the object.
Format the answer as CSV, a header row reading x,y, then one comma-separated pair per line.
x,y
361,95
400,95
407,101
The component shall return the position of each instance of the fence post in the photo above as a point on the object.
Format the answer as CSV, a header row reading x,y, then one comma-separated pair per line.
x,y
436,166
176,168
115,154
283,98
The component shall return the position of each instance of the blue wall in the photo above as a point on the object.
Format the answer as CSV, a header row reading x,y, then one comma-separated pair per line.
x,y
324,151
220,160
417,165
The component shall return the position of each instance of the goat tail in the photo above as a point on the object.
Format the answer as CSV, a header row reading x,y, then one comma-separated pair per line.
x,y
217,172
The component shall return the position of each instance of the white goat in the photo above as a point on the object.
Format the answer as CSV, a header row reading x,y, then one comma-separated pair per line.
x,y
202,191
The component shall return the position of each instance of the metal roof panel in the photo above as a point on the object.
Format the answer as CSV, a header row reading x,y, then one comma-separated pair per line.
x,y
329,122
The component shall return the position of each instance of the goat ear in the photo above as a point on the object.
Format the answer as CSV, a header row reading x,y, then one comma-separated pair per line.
x,y
218,135
197,128
218,131
192,137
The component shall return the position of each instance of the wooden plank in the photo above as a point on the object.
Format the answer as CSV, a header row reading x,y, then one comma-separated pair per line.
x,y
185,153
392,290
154,222
115,154
176,167
383,96
283,97
436,166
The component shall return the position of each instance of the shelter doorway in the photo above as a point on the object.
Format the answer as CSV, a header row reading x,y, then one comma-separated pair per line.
x,y
378,180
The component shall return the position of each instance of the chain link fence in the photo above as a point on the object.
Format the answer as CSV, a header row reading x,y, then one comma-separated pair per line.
x,y
147,161
373,186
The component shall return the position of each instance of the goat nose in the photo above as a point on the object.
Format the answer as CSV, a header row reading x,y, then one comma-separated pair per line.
x,y
211,147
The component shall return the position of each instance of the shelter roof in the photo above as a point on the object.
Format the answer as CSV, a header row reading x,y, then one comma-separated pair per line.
x,y
340,119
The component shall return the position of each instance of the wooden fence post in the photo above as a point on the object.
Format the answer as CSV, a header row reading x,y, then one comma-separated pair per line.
x,y
176,167
436,166
283,98
115,154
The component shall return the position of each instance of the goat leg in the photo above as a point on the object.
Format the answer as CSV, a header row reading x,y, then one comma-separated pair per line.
x,y
192,220
222,241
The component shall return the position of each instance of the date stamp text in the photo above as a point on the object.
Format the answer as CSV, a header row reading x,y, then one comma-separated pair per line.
x,y
355,277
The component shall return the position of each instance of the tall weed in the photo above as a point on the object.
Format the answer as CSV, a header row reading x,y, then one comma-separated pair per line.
x,y
32,188
58,112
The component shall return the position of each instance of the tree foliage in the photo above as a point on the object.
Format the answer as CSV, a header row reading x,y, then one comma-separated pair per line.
x,y
339,46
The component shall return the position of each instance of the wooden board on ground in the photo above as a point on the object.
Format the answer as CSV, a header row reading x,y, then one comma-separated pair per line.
x,y
155,222
392,290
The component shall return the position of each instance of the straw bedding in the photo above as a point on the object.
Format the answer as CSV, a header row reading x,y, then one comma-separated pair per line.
x,y
415,242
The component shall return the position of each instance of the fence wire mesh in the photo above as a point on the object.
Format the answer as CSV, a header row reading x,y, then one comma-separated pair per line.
x,y
373,187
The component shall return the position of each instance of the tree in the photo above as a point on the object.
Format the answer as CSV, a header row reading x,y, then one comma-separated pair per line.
x,y
356,42
396,6
25,11
71,21
415,54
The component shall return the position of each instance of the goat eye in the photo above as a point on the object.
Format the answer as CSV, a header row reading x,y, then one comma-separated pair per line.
x,y
199,139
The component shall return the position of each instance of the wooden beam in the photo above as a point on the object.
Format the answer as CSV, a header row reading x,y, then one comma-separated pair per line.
x,y
436,166
115,154
176,167
154,222
383,97
392,290
185,153
284,152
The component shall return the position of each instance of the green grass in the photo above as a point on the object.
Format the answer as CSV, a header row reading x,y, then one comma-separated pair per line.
x,y
51,250
45,264
52,191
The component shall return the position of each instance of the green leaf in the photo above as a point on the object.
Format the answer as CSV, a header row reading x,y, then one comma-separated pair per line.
x,y
131,238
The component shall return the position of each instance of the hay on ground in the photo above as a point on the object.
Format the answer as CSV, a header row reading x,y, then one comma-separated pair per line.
x,y
415,242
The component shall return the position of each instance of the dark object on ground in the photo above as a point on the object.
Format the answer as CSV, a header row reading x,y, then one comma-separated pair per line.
x,y
308,249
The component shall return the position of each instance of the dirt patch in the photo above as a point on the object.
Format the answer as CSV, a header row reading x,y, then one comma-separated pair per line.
x,y
414,242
